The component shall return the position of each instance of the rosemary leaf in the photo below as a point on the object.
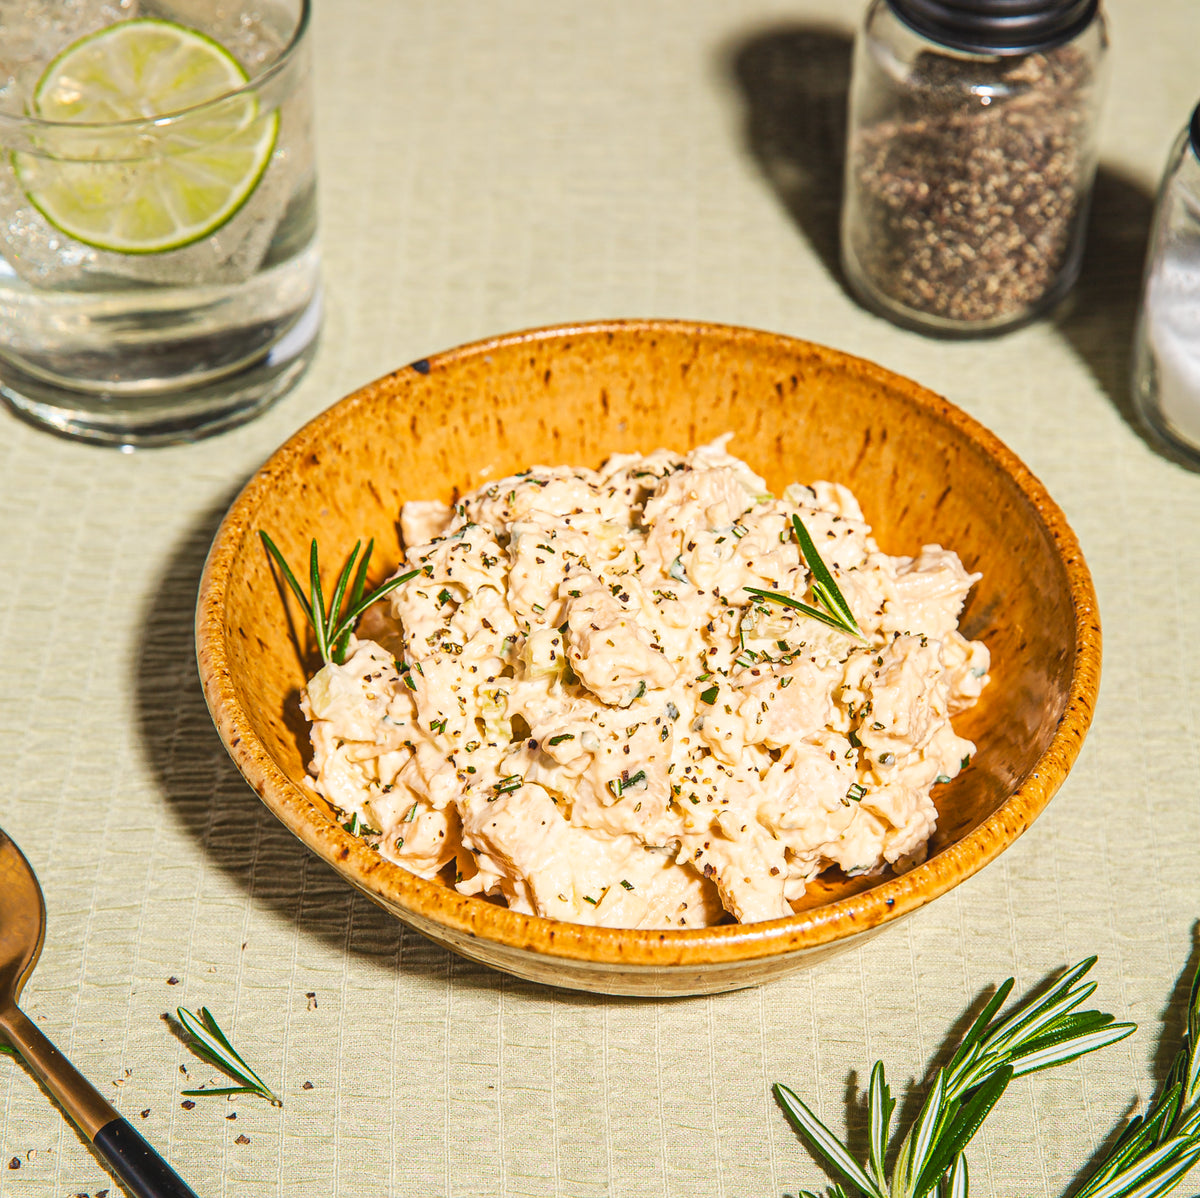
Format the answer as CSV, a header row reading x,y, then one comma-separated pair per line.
x,y
824,587
210,1043
825,1143
332,626
343,629
795,604
960,1130
357,593
834,610
956,1184
320,626
343,581
216,1090
880,1104
288,576
929,1124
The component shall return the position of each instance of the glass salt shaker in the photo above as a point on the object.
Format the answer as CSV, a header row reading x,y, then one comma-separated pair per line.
x,y
1166,354
971,150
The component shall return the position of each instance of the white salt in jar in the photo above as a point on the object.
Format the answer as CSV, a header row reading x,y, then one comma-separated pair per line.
x,y
1166,359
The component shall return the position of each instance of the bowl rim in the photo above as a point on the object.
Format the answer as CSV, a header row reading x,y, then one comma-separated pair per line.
x,y
432,905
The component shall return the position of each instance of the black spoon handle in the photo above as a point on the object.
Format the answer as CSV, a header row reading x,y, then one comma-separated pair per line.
x,y
143,1172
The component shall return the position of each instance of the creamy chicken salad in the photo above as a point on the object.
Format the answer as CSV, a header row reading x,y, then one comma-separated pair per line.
x,y
578,706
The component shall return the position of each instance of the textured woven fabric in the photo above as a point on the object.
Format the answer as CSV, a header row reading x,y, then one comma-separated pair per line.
x,y
487,167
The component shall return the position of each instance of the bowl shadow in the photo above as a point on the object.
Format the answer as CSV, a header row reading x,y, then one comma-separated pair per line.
x,y
794,80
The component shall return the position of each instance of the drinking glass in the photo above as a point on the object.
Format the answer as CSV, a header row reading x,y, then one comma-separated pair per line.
x,y
159,269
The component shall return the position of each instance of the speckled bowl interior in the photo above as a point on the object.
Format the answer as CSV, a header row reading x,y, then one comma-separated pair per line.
x,y
923,471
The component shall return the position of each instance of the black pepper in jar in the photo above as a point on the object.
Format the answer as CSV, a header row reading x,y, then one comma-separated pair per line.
x,y
967,175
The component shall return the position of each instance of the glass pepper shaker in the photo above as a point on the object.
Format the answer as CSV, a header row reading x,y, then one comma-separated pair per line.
x,y
971,151
1166,353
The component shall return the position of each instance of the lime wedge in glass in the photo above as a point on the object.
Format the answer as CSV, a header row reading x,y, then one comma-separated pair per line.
x,y
148,188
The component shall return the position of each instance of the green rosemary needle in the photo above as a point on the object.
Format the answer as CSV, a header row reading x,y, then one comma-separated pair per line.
x,y
333,626
211,1044
1147,1160
834,610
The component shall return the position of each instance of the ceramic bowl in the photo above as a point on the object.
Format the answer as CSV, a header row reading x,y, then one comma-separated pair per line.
x,y
922,470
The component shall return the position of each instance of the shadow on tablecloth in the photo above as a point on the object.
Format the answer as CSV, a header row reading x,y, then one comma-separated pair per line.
x,y
1100,319
794,80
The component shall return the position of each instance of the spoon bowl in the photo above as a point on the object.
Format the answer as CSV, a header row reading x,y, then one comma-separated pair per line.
x,y
22,934
22,921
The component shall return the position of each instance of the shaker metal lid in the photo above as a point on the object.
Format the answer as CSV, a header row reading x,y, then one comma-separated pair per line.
x,y
997,26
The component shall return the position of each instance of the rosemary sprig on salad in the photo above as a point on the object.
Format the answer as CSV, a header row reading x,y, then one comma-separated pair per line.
x,y
834,610
212,1045
333,626
1148,1159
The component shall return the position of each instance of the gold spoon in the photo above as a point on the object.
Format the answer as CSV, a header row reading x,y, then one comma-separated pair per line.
x,y
22,932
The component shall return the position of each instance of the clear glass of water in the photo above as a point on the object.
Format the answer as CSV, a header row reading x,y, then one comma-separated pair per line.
x,y
159,269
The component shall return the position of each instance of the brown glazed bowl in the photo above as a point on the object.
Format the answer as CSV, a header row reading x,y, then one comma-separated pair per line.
x,y
923,471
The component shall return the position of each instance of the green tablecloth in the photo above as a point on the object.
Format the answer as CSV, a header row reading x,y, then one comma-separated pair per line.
x,y
488,167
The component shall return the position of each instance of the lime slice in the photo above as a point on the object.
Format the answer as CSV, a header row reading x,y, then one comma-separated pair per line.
x,y
151,188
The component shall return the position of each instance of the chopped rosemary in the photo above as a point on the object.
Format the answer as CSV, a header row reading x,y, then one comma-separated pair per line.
x,y
211,1044
333,626
558,740
834,610
618,786
508,784
710,695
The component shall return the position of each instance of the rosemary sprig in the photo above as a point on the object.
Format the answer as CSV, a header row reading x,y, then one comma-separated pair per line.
x,y
1040,1031
333,625
834,610
1156,1149
210,1043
